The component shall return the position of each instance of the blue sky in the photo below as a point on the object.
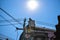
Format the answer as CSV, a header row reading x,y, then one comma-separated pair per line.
x,y
47,12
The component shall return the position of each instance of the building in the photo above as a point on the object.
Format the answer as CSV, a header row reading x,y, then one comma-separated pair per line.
x,y
36,33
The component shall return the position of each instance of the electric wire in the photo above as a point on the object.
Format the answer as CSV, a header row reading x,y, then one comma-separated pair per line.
x,y
11,24
17,35
19,22
43,23
4,37
1,21
10,15
8,21
8,24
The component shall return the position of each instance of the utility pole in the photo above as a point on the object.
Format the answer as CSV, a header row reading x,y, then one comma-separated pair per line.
x,y
24,23
24,28
57,33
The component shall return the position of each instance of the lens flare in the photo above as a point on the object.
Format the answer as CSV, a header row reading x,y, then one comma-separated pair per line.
x,y
32,5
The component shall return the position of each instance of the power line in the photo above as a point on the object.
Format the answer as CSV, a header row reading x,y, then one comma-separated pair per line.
x,y
16,35
43,23
9,15
11,20
8,21
8,24
5,37
11,23
2,38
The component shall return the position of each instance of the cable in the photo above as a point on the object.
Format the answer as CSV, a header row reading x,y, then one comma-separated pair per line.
x,y
12,24
16,35
43,23
3,38
8,24
9,15
8,21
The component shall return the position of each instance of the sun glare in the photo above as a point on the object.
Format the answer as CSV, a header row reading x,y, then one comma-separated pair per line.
x,y
32,4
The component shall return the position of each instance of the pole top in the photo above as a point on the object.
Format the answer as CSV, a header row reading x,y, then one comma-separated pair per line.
x,y
58,19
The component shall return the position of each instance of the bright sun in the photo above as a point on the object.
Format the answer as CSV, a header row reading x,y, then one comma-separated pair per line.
x,y
32,4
